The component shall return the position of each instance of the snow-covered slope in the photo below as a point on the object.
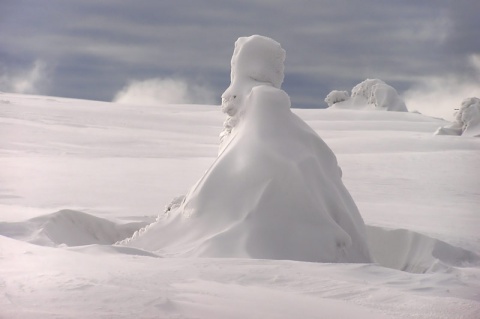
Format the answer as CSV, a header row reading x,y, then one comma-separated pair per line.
x,y
418,194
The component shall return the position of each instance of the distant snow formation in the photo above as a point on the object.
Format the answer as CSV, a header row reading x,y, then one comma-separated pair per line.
x,y
467,120
275,190
369,94
336,96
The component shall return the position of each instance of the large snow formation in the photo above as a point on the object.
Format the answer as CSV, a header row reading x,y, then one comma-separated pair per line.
x,y
275,190
467,120
369,94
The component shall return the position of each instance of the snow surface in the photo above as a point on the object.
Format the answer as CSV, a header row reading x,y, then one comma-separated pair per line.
x,y
369,94
467,120
418,194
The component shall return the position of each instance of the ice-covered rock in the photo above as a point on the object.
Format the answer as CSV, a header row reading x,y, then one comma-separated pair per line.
x,y
369,94
467,120
275,190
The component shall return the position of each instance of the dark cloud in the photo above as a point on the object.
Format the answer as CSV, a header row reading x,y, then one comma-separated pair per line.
x,y
463,34
94,47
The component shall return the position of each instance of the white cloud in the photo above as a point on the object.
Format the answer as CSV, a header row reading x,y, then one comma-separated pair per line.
x,y
164,91
33,80
440,96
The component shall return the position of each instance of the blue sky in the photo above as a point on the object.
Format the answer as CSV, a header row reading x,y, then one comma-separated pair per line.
x,y
92,49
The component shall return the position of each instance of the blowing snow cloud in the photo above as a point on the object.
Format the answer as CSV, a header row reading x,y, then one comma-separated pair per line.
x,y
29,81
158,91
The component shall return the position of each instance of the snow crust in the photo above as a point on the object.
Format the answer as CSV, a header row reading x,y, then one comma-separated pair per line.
x,y
274,192
467,120
369,94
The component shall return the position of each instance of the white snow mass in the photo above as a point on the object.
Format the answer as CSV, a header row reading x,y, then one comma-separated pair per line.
x,y
371,94
467,120
275,190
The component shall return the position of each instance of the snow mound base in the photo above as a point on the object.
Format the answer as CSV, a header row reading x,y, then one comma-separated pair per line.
x,y
70,228
467,120
275,190
413,252
371,94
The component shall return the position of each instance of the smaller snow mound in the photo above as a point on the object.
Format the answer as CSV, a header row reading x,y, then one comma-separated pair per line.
x,y
336,96
369,94
413,252
467,120
69,227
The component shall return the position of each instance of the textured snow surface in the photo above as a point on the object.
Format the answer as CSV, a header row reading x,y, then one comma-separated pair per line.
x,y
90,170
369,94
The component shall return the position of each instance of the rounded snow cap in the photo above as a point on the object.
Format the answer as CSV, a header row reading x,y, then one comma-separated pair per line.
x,y
259,58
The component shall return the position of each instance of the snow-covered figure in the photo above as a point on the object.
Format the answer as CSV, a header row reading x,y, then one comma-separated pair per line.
x,y
275,190
467,120
369,94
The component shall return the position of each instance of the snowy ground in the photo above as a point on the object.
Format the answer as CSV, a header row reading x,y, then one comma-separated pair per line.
x,y
76,176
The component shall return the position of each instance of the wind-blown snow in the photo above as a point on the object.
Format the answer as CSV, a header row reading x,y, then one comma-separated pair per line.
x,y
467,120
369,94
274,192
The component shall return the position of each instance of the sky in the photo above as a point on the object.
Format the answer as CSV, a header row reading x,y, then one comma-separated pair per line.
x,y
151,51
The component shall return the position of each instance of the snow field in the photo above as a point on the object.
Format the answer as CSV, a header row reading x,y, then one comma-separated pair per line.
x,y
80,177
399,174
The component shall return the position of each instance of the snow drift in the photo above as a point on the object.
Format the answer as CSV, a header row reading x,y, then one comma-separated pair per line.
x,y
275,190
70,228
413,252
371,94
467,120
